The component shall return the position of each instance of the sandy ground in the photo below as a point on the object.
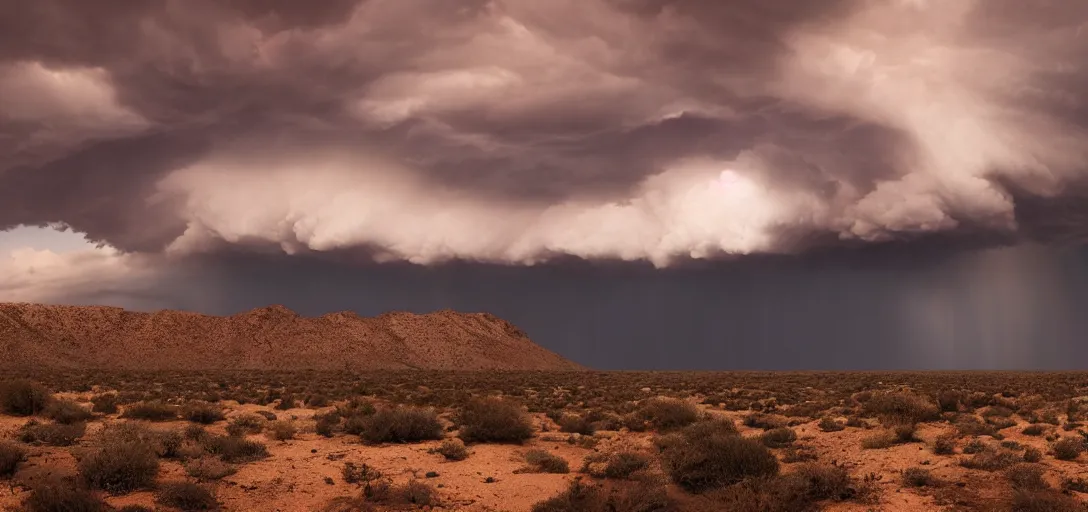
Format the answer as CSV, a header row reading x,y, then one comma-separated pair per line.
x,y
297,474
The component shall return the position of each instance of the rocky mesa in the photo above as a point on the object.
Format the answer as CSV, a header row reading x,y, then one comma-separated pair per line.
x,y
266,338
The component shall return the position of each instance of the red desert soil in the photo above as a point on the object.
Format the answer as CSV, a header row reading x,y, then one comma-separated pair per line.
x,y
272,337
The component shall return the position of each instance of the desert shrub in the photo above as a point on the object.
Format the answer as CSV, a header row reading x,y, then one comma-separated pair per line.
x,y
945,444
624,464
287,402
795,453
51,434
246,424
540,461
66,412
900,407
22,397
778,438
1001,422
1043,501
349,504
666,414
235,449
105,403
150,411
1067,448
1075,485
799,491
208,468
575,424
493,420
282,430
57,495
707,455
268,415
619,465
918,477
11,455
970,426
123,461
991,459
202,412
974,446
949,400
401,424
764,421
1032,455
1034,430
997,411
905,433
326,424
1026,476
829,424
646,495
357,406
578,497
452,449
317,401
879,440
415,492
186,496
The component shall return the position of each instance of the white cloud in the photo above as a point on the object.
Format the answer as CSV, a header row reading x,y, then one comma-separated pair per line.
x,y
34,274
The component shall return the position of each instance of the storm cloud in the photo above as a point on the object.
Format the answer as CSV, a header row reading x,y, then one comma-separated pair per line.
x,y
516,132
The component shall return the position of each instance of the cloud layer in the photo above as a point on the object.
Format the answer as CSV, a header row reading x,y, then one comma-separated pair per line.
x,y
517,131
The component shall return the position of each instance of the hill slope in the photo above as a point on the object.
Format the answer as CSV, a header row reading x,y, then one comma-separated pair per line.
x,y
267,338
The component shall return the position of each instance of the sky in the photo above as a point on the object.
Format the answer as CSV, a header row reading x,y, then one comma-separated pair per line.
x,y
638,184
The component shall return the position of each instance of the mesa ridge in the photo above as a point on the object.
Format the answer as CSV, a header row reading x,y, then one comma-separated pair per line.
x,y
273,337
